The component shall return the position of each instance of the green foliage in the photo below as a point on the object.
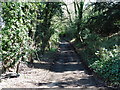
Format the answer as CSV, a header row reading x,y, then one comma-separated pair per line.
x,y
36,27
28,29
107,13
108,64
54,41
16,41
45,27
102,54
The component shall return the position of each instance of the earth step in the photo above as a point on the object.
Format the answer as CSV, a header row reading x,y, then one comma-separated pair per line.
x,y
10,75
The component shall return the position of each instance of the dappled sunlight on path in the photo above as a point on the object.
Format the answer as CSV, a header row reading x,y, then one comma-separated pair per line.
x,y
65,70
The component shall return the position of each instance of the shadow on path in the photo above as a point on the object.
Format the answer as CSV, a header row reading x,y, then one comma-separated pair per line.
x,y
67,60
83,83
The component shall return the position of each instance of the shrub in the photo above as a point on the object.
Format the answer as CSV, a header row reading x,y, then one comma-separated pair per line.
x,y
17,44
108,64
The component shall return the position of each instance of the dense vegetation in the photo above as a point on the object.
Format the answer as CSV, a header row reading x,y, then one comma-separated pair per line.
x,y
28,31
96,30
32,28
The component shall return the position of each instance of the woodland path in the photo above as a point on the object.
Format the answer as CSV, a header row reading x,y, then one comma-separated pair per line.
x,y
66,71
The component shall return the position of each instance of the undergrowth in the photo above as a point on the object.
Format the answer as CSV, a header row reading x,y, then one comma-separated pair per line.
x,y
102,55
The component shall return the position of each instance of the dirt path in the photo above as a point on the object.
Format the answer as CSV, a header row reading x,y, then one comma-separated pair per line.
x,y
66,72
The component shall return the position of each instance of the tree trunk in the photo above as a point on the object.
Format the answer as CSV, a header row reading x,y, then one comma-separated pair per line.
x,y
31,59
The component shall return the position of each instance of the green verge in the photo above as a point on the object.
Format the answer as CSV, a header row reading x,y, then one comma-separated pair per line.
x,y
103,56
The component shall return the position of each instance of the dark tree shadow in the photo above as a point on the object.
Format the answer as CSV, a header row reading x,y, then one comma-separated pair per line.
x,y
83,83
61,61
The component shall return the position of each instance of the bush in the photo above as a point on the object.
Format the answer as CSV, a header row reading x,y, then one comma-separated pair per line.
x,y
102,55
108,64
17,44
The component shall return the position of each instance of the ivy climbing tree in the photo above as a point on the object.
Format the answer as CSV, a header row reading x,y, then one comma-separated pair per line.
x,y
17,41
27,31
